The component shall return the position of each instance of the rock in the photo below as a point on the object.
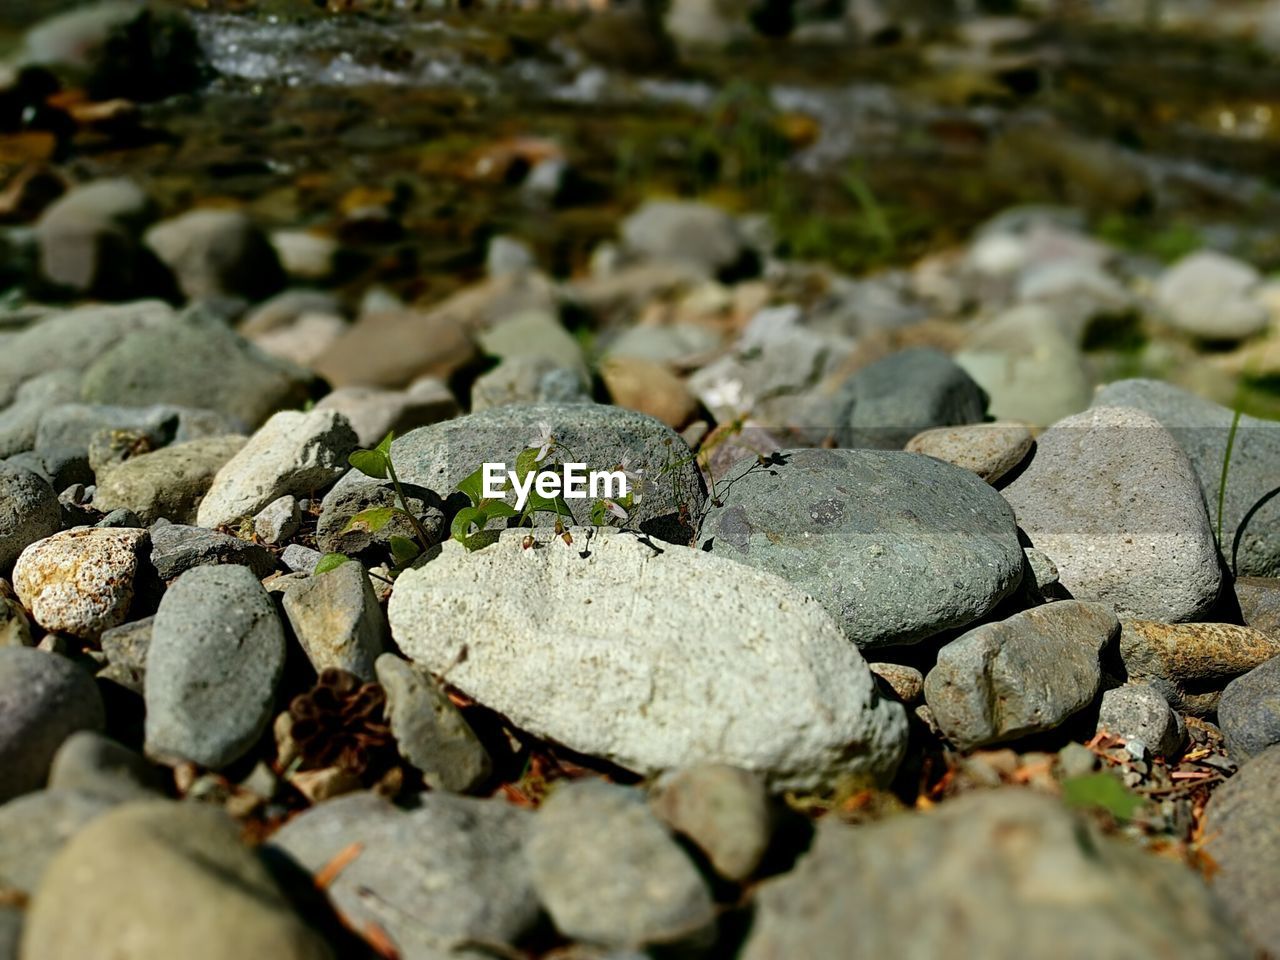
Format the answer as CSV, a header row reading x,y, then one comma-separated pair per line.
x,y
887,403
79,426
1249,710
609,873
304,340
430,731
171,364
44,698
527,380
1138,711
438,880
649,388
179,877
89,241
18,422
1000,873
217,253
374,413
896,546
354,494
905,683
1250,520
217,653
722,811
28,512
167,483
1212,296
537,334
1112,499
125,648
285,309
392,348
700,25
1259,599
300,559
1244,846
292,453
97,766
81,581
1190,663
34,827
676,343
608,682
508,255
305,254
1024,675
693,234
176,548
337,620
990,450
15,630
278,520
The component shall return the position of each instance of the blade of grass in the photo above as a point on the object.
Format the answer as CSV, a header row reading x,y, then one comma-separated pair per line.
x,y
1226,469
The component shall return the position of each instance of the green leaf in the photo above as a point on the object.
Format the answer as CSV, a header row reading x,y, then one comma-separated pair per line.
x,y
480,540
372,463
494,509
373,519
537,503
598,514
467,517
331,561
1102,790
473,486
404,550
526,463
384,445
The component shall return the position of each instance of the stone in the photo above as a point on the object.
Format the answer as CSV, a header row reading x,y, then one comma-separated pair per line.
x,y
996,873
896,546
527,380
179,879
676,343
391,348
608,872
1251,511
607,681
430,731
721,810
437,880
217,253
80,582
292,453
1190,663
373,413
171,364
286,308
167,483
1138,711
35,826
337,620
1241,838
1249,710
177,548
694,234
1112,499
278,520
93,765
300,559
28,512
538,334
506,254
1259,599
125,648
18,421
990,450
649,388
887,403
217,652
1027,674
354,494
1212,296
15,630
304,340
106,428
44,698
904,682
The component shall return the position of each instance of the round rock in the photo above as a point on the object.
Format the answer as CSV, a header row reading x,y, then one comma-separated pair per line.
x,y
988,449
28,511
1249,710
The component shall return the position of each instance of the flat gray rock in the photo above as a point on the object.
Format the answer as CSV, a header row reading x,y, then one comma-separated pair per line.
x,y
177,548
217,652
896,546
1114,502
652,659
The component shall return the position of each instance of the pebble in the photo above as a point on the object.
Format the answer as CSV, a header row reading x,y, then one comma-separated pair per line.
x,y
1138,711
97,766
693,234
19,421
278,520
80,582
430,731
217,652
167,483
535,334
44,698
373,412
293,453
906,683
609,873
217,253
125,648
990,450
1259,599
29,512
15,629
1024,675
1212,296
1111,498
356,493
897,546
76,426
650,388
300,559
1190,663
604,652
723,811
527,380
177,548
337,620
89,240
1249,710
179,876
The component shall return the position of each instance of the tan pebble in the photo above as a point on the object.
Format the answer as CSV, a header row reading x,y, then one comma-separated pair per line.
x,y
988,449
649,387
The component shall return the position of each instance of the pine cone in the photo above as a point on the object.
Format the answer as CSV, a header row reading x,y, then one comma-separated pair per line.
x,y
341,722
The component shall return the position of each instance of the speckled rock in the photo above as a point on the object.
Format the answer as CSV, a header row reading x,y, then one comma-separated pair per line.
x,y
337,620
1111,498
896,546
988,449
81,581
29,511
278,520
1138,711
1249,710
906,683
1023,675
15,629
167,483
723,811
1190,663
